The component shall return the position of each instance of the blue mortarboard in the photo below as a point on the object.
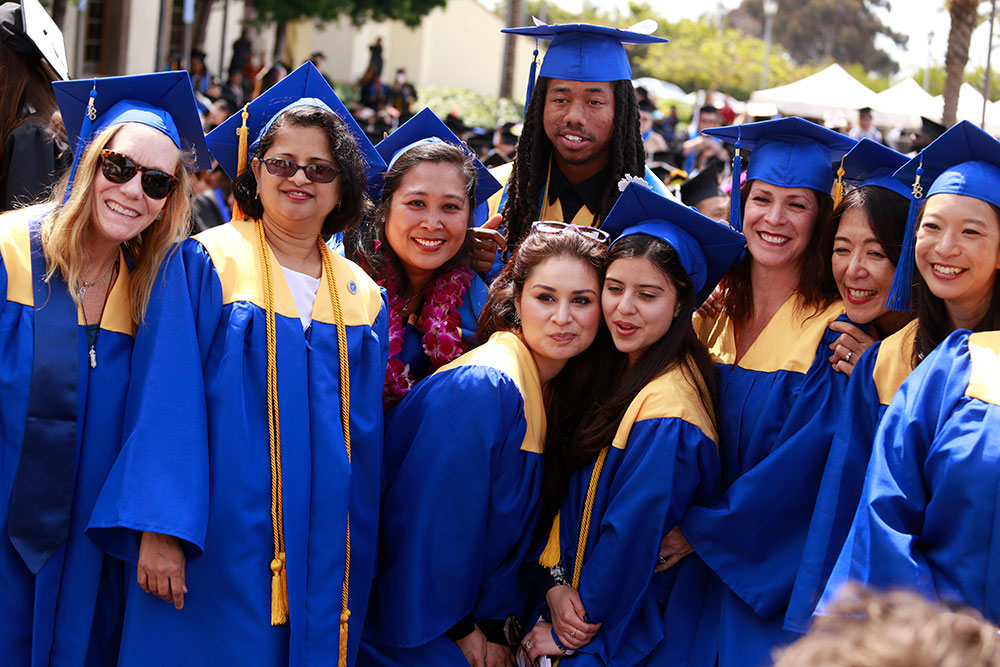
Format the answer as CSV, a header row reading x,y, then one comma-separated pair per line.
x,y
788,152
425,127
707,249
164,101
871,163
585,52
965,160
303,87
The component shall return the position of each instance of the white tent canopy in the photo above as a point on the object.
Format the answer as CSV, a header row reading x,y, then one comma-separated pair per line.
x,y
903,104
829,91
970,108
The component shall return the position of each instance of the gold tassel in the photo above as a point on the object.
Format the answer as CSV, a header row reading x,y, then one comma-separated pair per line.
x,y
838,186
344,616
279,591
551,554
241,160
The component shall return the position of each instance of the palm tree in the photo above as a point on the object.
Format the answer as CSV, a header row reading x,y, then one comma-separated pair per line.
x,y
964,16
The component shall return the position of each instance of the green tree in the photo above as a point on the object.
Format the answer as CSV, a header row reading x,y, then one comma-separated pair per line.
x,y
819,31
359,11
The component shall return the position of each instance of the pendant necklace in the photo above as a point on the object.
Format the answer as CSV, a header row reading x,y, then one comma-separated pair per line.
x,y
82,291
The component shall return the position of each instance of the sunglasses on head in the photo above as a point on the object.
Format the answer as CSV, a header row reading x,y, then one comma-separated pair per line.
x,y
555,227
317,173
119,169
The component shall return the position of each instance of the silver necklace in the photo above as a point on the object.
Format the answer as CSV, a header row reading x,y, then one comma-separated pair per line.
x,y
81,291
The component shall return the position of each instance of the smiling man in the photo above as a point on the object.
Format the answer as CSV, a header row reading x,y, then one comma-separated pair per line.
x,y
581,132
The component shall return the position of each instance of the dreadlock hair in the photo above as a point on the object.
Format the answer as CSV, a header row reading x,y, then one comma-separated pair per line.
x,y
531,161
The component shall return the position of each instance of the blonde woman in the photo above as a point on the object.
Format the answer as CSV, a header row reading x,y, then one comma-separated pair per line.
x,y
76,277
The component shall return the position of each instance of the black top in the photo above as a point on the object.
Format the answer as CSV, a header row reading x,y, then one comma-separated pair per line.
x,y
35,161
573,197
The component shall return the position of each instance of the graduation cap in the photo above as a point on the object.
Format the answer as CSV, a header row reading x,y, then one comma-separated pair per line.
x,y
788,152
306,86
706,248
965,160
27,29
871,163
425,128
163,101
586,52
702,186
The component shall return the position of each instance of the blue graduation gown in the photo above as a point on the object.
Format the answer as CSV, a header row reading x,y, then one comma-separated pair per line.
x,y
876,377
778,408
195,459
70,613
928,518
663,457
413,347
463,482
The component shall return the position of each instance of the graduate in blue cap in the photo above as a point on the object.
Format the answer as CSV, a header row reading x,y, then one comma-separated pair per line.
x,y
464,460
247,490
415,246
636,463
875,351
581,134
76,274
779,394
926,517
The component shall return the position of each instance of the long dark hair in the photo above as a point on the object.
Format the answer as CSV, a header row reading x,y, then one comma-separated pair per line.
x,y
933,322
353,201
371,233
531,161
678,346
816,283
886,212
572,393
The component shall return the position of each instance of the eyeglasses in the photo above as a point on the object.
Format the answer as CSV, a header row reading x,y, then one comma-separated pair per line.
x,y
119,169
554,227
317,173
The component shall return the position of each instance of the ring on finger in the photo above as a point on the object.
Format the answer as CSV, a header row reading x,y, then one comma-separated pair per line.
x,y
848,356
527,644
572,634
661,560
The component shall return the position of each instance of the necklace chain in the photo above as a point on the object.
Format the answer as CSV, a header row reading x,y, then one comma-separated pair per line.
x,y
83,284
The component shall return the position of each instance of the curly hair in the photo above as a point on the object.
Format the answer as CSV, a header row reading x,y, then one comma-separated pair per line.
x,y
863,628
353,201
531,161
362,240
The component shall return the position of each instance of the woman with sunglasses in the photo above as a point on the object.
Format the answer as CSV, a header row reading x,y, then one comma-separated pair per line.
x,y
76,274
416,247
248,486
636,462
927,513
779,395
463,461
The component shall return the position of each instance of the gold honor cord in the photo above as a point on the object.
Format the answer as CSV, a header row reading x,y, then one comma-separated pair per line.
x,y
345,422
588,509
279,581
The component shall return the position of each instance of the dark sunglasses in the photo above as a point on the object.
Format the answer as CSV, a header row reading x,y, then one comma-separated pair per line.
x,y
317,173
120,169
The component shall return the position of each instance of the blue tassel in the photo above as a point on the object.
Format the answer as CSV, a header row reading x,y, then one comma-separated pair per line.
x,y
900,296
531,79
735,202
82,139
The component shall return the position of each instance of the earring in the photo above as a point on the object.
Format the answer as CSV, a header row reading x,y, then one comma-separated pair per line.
x,y
159,217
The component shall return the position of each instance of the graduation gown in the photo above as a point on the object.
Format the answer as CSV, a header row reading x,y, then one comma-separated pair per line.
x,y
663,457
70,612
413,348
928,518
876,377
778,408
463,483
195,460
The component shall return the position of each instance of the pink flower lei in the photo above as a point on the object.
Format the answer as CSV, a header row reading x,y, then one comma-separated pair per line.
x,y
439,322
